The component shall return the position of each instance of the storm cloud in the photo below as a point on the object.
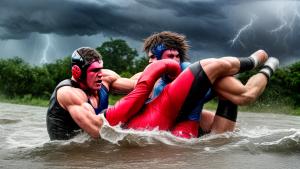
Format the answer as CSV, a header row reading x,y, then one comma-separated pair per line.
x,y
53,28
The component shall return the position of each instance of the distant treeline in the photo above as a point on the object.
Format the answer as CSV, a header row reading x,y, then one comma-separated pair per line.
x,y
20,79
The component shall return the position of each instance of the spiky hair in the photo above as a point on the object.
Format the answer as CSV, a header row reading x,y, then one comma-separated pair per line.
x,y
171,40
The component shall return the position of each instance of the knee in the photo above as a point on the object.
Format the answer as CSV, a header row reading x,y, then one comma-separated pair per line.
x,y
218,68
223,64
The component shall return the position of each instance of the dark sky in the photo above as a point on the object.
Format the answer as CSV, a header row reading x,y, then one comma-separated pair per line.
x,y
45,30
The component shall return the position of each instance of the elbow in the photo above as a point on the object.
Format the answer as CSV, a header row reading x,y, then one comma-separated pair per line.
x,y
244,100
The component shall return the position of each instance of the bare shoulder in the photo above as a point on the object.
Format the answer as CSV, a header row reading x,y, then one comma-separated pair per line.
x,y
109,77
68,95
110,73
136,76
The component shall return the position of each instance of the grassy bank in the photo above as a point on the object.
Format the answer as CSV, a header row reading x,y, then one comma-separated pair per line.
x,y
43,102
25,100
275,107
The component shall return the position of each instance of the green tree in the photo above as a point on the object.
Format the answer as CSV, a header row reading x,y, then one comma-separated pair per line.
x,y
140,64
15,77
42,83
292,80
117,55
59,70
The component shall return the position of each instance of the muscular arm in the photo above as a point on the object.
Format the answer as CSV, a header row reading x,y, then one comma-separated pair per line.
x,y
232,89
136,76
75,102
117,84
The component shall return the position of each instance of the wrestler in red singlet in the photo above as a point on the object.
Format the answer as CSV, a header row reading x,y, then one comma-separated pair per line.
x,y
163,110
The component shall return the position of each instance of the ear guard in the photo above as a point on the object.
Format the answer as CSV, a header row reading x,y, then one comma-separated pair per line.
x,y
77,65
76,72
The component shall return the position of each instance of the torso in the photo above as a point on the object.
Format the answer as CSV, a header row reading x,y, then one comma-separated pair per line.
x,y
100,101
60,124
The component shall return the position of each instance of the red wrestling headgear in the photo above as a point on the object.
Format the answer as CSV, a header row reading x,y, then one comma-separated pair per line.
x,y
78,65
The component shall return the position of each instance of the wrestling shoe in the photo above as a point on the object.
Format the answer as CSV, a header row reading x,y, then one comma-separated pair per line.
x,y
270,66
259,58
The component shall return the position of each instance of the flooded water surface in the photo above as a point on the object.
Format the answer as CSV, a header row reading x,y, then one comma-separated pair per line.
x,y
262,140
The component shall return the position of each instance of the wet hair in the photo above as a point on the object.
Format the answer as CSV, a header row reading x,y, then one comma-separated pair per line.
x,y
89,55
171,40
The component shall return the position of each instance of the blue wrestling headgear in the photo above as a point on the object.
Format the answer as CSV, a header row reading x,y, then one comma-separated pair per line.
x,y
158,50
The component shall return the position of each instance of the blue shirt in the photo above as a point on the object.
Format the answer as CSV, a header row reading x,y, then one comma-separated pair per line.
x,y
103,99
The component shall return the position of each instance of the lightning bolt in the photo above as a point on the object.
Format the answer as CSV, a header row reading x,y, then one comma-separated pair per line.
x,y
287,19
45,51
288,15
237,37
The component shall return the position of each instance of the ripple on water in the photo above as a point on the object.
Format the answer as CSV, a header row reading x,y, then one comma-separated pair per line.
x,y
8,121
289,143
273,141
